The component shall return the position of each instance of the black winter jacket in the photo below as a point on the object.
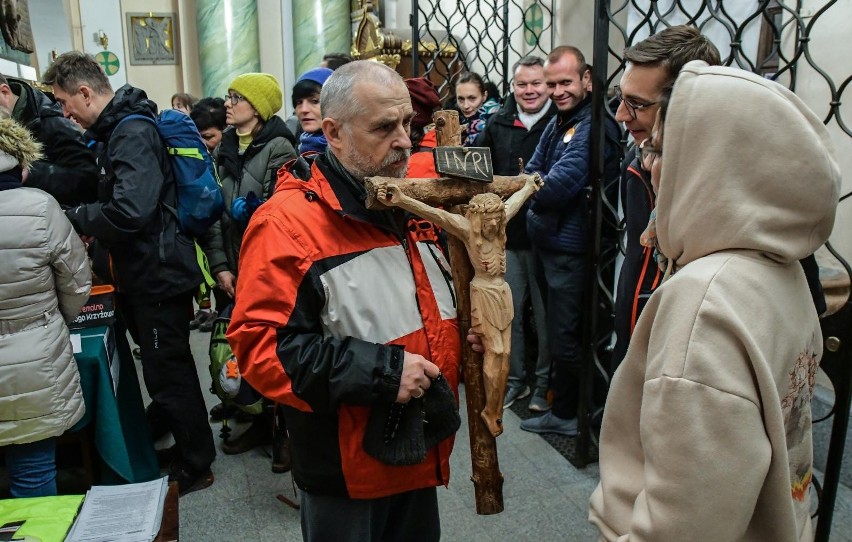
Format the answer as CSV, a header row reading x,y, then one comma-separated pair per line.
x,y
639,275
510,141
148,257
68,171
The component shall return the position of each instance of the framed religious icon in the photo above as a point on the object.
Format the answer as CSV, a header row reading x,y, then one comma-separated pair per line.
x,y
152,38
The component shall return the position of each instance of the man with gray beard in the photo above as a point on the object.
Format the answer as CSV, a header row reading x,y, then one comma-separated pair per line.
x,y
347,316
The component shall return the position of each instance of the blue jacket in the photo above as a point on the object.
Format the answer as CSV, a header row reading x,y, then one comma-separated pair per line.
x,y
557,219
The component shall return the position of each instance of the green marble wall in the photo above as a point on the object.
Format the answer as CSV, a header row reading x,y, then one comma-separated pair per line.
x,y
227,42
319,27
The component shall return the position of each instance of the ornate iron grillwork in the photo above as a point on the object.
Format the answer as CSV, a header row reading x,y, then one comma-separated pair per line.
x,y
484,36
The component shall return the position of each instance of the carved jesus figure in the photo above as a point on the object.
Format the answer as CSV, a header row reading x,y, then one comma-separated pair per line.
x,y
483,231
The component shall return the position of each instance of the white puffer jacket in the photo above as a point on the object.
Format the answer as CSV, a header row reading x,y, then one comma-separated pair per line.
x,y
44,280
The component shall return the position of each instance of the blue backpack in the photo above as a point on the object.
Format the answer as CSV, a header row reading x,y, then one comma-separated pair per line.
x,y
199,197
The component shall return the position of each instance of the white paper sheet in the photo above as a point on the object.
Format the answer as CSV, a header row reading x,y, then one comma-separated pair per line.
x,y
126,513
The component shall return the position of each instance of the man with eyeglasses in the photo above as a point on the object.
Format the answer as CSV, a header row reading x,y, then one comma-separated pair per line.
x,y
558,226
513,135
652,66
141,250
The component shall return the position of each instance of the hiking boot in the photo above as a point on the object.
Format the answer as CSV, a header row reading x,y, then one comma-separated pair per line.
x,y
515,393
550,423
207,325
189,481
200,317
539,404
281,455
259,433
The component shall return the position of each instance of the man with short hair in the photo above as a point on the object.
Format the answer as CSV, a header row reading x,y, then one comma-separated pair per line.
x,y
512,134
142,251
652,66
68,171
558,225
348,319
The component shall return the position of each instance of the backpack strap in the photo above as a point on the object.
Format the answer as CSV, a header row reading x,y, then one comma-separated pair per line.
x,y
186,152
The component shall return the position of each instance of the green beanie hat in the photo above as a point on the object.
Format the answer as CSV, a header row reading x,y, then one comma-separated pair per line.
x,y
261,90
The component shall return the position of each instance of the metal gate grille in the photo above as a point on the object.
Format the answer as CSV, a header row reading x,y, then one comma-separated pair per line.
x,y
483,36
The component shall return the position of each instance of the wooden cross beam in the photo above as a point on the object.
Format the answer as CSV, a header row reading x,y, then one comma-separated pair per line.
x,y
477,251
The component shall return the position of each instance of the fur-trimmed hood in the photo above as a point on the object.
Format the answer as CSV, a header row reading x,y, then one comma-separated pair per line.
x,y
17,146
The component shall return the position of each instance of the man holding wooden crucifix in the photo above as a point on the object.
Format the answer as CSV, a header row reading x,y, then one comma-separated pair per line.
x,y
348,319
483,231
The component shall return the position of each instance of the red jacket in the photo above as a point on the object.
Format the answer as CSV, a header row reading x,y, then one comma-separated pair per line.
x,y
326,287
422,163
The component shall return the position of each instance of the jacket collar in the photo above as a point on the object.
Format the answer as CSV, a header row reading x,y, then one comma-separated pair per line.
x,y
229,156
572,116
128,100
319,177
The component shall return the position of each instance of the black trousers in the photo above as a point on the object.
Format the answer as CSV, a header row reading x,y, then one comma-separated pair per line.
x,y
563,276
161,329
412,515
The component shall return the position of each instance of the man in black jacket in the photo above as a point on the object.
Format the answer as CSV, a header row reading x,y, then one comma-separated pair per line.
x,y
513,134
68,171
152,263
652,65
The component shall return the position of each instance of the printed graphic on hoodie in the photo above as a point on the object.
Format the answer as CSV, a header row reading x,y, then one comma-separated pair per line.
x,y
796,406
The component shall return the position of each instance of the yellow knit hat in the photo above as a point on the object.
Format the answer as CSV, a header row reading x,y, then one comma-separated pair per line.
x,y
261,90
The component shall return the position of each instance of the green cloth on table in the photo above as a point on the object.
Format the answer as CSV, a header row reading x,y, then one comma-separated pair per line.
x,y
121,432
47,518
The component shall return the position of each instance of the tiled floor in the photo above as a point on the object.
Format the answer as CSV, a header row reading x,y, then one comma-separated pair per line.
x,y
545,497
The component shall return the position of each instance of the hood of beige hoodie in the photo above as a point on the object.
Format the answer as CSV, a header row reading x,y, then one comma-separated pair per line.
x,y
746,166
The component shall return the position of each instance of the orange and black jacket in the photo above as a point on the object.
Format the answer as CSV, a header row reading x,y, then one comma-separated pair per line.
x,y
640,275
422,163
329,297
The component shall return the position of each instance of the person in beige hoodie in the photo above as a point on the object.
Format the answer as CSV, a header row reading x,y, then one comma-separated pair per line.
x,y
707,432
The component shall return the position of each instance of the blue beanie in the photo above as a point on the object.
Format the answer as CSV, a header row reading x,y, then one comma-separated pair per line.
x,y
317,75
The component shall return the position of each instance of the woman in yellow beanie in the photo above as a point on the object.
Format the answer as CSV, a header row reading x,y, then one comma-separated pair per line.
x,y
252,149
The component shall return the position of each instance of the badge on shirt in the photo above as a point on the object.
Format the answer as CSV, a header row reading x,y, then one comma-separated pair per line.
x,y
568,135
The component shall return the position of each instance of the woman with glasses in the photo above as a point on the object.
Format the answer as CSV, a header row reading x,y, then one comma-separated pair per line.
x,y
253,148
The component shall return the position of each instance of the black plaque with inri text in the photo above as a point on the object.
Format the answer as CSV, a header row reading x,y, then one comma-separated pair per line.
x,y
466,162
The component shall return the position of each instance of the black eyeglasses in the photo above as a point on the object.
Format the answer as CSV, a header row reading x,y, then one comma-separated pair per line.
x,y
632,107
234,98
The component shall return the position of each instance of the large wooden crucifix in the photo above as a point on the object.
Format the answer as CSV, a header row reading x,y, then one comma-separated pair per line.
x,y
477,227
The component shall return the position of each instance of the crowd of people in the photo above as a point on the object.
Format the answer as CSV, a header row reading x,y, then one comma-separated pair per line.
x,y
344,317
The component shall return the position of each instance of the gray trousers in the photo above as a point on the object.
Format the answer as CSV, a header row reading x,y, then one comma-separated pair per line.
x,y
409,516
521,276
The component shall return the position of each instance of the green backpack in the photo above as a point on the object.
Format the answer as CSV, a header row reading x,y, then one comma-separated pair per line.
x,y
228,385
